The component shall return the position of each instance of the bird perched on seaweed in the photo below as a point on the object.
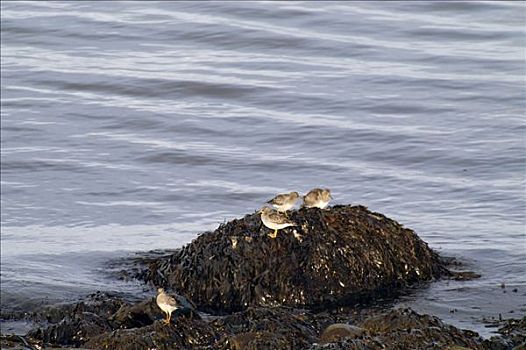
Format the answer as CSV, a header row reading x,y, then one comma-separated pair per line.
x,y
285,201
274,220
167,303
317,198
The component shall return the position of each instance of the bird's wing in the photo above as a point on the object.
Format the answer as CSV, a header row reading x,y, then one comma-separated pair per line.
x,y
280,218
169,300
311,196
278,200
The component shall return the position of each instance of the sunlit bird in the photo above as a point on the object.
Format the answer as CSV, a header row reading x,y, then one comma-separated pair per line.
x,y
274,220
167,303
317,198
285,201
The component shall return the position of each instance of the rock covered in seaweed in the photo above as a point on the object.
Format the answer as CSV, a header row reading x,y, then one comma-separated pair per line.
x,y
265,328
101,316
260,328
402,329
339,331
73,323
185,333
343,255
512,335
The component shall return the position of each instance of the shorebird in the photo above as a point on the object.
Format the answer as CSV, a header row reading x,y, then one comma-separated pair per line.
x,y
274,220
317,198
166,303
285,201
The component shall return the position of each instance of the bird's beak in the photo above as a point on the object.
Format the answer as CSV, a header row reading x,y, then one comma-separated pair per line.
x,y
330,196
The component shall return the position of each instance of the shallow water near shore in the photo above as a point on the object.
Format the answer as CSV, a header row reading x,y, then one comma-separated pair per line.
x,y
135,126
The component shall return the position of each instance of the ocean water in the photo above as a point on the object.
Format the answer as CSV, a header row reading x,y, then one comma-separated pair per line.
x,y
131,126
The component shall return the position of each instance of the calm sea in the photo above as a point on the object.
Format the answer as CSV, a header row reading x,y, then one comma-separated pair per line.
x,y
131,126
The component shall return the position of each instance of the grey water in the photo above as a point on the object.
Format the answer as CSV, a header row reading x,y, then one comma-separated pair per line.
x,y
132,126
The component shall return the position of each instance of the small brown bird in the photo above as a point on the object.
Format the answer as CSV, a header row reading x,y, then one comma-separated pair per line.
x,y
317,198
285,201
274,220
166,303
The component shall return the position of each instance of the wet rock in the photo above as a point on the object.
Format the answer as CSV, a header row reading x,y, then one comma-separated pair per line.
x,y
138,315
339,331
73,323
457,270
17,342
515,330
72,330
512,335
99,303
135,266
343,255
464,275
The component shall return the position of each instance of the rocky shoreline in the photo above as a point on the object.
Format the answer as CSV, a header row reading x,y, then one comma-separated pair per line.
x,y
312,287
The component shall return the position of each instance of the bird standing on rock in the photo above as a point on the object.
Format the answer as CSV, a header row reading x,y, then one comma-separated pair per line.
x,y
317,198
285,201
274,220
166,303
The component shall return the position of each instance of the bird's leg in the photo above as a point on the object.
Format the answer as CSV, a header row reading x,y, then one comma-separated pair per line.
x,y
169,318
273,234
260,224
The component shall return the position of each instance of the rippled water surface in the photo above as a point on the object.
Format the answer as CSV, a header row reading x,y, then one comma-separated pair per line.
x,y
130,126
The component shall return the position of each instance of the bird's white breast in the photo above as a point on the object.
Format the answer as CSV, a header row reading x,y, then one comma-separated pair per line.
x,y
167,307
322,204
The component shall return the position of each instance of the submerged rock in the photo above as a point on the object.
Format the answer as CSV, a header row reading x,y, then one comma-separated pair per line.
x,y
343,255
